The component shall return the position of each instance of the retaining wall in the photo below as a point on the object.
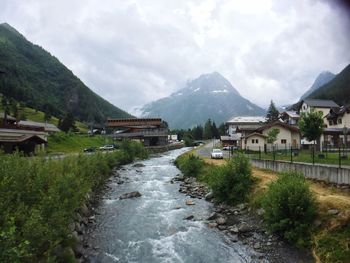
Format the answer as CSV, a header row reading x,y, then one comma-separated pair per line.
x,y
326,173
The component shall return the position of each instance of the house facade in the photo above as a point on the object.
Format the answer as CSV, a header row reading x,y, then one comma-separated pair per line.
x,y
240,127
288,136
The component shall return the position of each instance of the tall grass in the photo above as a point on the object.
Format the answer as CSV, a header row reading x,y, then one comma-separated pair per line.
x,y
39,197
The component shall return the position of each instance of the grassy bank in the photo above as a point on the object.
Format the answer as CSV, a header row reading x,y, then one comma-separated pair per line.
x,y
40,197
74,143
296,209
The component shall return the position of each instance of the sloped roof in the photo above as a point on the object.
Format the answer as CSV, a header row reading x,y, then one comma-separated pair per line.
x,y
321,103
2,116
255,134
247,119
278,123
47,126
18,138
292,114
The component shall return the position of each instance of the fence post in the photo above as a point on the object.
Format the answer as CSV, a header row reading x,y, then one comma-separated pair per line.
x,y
313,155
273,152
291,154
259,152
339,155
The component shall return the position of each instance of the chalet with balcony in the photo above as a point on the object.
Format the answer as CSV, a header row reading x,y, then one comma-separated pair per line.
x,y
149,131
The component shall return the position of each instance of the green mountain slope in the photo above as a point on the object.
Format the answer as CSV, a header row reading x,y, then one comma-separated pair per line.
x,y
38,79
209,96
337,89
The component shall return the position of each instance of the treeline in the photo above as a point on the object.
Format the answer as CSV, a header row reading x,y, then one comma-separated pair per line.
x,y
199,132
40,197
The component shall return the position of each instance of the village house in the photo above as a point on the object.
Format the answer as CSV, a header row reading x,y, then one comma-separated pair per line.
x,y
15,137
323,106
288,136
240,127
149,131
335,134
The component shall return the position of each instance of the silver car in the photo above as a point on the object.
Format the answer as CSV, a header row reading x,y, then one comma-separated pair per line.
x,y
217,154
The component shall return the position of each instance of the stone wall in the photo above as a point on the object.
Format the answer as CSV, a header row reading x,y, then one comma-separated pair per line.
x,y
321,172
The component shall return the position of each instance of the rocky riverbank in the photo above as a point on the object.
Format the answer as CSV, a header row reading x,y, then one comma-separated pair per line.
x,y
242,224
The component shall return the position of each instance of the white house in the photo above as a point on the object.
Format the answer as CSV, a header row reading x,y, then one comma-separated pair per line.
x,y
288,136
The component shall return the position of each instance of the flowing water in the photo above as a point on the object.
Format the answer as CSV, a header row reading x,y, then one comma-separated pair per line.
x,y
152,228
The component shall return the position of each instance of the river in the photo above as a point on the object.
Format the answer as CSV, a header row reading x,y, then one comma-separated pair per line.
x,y
152,228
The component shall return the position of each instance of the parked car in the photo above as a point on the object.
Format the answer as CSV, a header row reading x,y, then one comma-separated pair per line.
x,y
217,154
108,147
89,150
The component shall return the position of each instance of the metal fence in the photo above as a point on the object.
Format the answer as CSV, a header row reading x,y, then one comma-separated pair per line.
x,y
338,156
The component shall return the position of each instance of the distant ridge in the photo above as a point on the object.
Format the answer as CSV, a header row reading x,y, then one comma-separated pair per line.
x,y
208,96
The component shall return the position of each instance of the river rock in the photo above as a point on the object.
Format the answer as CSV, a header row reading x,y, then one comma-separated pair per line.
x,y
222,227
190,202
244,227
190,217
257,245
221,221
130,195
212,216
209,196
139,165
212,224
260,211
84,210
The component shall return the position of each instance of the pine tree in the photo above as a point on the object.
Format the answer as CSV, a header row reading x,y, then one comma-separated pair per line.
x,y
208,130
272,113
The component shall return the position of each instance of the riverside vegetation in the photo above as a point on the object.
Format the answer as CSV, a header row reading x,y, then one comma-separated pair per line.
x,y
289,207
39,198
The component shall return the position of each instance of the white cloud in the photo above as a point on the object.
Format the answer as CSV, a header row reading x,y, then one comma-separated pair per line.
x,y
135,51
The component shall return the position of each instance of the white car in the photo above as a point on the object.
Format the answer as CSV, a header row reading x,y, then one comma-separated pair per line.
x,y
217,154
107,148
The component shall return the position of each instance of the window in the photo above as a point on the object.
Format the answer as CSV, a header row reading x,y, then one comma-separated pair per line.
x,y
283,141
253,140
330,123
339,121
256,141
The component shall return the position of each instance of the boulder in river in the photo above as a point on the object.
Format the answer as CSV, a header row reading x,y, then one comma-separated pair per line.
x,y
189,202
130,195
139,165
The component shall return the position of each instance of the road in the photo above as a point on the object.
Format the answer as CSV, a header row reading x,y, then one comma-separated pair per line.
x,y
205,150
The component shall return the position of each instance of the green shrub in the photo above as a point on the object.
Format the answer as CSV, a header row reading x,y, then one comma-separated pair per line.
x,y
39,198
189,165
231,182
290,208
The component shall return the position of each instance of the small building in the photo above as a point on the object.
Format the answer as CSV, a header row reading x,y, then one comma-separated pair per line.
x,y
14,137
149,131
289,136
232,140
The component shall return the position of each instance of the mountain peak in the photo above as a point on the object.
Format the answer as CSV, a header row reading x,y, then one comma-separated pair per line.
x,y
208,96
323,78
10,28
210,83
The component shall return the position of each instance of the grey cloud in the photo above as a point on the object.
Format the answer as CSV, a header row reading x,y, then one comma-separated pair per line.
x,y
133,52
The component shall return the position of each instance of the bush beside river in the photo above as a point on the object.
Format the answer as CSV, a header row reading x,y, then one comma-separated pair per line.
x,y
40,197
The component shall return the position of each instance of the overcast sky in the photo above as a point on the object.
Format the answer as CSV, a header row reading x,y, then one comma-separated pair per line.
x,y
132,52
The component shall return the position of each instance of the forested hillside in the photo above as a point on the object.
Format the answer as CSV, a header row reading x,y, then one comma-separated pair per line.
x,y
38,79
